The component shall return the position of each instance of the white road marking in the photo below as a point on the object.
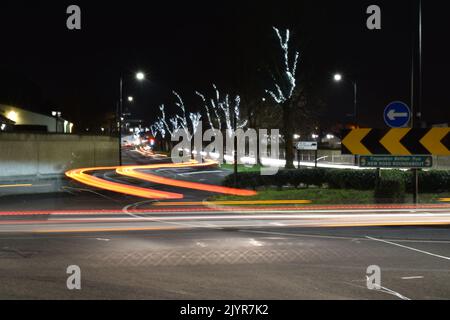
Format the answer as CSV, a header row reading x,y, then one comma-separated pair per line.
x,y
164,220
198,172
338,237
394,293
201,244
412,278
255,243
409,248
389,291
296,235
101,239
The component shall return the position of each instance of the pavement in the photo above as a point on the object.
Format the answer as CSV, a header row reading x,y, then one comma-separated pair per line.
x,y
134,248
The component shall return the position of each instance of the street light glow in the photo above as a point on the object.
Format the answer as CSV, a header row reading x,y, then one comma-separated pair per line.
x,y
140,76
130,99
13,116
337,77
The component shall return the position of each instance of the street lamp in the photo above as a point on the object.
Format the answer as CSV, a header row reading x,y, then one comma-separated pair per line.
x,y
130,99
338,78
140,76
57,115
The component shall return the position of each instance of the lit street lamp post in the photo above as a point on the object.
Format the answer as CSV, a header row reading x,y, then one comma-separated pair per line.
x,y
338,78
57,115
140,76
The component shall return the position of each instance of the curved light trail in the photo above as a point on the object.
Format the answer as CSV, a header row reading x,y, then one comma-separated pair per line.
x,y
131,171
81,176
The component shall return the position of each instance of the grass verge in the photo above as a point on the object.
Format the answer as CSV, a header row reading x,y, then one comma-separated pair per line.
x,y
326,196
242,167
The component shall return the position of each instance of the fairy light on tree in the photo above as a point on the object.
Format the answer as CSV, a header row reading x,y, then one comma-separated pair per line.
x,y
285,85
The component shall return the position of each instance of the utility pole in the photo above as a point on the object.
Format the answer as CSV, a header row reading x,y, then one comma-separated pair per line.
x,y
235,167
355,103
120,118
417,107
419,111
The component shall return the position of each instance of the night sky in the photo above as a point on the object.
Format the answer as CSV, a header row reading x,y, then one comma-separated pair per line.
x,y
188,45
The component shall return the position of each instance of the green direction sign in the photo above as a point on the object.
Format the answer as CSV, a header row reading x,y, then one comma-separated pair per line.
x,y
395,161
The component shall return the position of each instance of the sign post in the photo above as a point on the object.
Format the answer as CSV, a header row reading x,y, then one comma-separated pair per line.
x,y
416,185
409,162
315,158
410,148
307,146
412,162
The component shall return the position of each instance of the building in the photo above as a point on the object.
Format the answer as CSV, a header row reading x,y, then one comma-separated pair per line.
x,y
5,123
18,119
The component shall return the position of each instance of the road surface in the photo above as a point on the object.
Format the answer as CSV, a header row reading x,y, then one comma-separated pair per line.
x,y
133,248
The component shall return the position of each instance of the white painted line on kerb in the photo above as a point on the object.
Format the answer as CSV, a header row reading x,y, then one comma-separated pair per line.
x,y
15,185
410,248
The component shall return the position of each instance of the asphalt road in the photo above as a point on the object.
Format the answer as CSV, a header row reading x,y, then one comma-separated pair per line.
x,y
130,248
263,263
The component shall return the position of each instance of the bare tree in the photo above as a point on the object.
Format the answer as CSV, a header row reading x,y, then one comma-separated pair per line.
x,y
225,109
285,85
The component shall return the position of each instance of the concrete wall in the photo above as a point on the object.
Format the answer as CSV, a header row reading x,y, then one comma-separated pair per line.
x,y
30,154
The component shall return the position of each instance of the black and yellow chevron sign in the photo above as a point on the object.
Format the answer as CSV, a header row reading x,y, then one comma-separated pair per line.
x,y
399,142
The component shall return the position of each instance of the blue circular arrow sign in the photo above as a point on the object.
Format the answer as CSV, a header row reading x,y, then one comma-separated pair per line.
x,y
397,115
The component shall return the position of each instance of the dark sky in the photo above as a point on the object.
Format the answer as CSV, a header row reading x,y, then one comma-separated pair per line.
x,y
187,45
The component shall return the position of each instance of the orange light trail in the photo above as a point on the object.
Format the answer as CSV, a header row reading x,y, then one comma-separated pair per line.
x,y
130,171
81,176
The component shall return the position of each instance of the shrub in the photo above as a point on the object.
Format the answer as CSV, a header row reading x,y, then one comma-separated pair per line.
x,y
429,181
434,181
390,190
351,179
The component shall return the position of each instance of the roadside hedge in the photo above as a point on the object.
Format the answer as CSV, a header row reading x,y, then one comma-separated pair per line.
x,y
432,181
429,181
390,190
